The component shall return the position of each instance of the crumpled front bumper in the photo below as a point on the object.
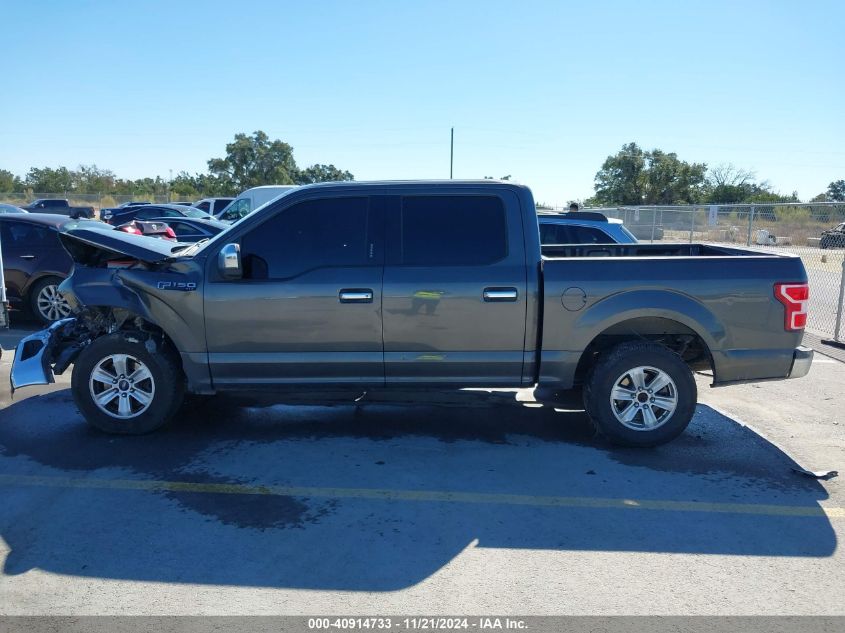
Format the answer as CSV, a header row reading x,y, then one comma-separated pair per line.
x,y
34,355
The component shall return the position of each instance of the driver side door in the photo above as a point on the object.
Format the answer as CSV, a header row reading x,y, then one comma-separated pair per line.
x,y
308,308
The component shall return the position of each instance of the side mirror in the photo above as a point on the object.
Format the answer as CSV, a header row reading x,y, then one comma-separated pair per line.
x,y
229,261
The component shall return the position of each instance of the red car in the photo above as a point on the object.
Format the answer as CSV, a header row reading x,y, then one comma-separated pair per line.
x,y
150,229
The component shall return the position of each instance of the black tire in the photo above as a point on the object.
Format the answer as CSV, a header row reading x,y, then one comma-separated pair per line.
x,y
166,376
44,315
611,366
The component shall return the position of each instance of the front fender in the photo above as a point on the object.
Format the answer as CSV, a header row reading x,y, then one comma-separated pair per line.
x,y
135,292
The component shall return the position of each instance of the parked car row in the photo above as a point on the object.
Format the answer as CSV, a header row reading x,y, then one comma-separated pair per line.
x,y
35,263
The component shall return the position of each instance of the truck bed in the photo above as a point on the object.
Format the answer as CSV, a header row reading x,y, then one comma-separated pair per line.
x,y
551,251
722,295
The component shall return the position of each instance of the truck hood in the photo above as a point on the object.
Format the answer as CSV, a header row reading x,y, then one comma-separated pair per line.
x,y
79,239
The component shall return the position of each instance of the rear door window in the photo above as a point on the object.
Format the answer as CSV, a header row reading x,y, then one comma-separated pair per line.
x,y
452,231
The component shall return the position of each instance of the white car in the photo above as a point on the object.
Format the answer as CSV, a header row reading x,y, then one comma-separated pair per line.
x,y
250,200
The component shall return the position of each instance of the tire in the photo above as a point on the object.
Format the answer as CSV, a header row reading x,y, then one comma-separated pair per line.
x,y
45,302
131,406
628,370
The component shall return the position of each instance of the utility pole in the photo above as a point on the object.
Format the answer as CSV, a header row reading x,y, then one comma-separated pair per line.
x,y
452,154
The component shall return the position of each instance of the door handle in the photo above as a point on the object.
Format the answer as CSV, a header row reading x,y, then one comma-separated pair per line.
x,y
355,295
500,294
27,256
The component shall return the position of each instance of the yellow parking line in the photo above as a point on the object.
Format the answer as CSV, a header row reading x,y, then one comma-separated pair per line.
x,y
423,495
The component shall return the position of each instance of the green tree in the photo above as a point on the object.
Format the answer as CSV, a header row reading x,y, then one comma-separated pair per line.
x,y
669,180
836,191
321,173
9,182
254,160
633,177
48,180
620,179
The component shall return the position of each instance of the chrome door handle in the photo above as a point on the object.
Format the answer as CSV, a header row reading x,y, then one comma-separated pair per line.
x,y
500,294
27,256
355,295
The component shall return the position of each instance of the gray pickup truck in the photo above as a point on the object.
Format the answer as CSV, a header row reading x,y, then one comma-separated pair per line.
x,y
410,285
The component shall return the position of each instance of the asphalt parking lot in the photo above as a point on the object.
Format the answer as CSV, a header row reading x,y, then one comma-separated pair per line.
x,y
379,507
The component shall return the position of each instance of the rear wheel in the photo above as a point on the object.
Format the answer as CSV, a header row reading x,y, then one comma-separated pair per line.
x,y
46,302
122,387
640,394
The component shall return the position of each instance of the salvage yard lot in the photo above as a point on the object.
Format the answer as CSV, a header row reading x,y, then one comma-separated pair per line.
x,y
387,508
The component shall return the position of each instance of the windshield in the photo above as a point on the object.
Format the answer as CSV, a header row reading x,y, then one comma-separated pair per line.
x,y
195,213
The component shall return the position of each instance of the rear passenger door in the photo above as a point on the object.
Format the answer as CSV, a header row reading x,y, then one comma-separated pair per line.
x,y
455,290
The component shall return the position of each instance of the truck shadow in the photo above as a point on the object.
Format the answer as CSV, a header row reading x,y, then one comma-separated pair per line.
x,y
357,542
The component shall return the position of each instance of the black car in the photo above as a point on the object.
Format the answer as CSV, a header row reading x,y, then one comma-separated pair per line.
x,y
105,214
154,212
35,263
194,229
833,238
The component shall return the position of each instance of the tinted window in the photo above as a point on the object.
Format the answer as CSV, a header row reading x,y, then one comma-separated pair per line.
x,y
26,235
183,229
588,235
219,205
55,203
203,206
314,234
572,234
453,230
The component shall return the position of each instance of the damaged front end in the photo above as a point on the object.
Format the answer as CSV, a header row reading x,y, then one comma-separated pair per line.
x,y
49,352
36,353
115,287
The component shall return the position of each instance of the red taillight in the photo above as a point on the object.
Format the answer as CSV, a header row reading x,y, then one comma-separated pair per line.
x,y
794,298
130,229
169,233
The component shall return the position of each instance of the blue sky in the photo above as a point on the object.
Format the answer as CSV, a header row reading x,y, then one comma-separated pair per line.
x,y
541,90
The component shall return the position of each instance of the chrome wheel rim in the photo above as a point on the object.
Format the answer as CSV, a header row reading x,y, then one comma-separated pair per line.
x,y
51,304
644,398
122,386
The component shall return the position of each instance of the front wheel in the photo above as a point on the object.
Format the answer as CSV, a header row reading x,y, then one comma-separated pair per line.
x,y
640,394
121,387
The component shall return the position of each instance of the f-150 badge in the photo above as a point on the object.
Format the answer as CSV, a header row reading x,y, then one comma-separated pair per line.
x,y
176,285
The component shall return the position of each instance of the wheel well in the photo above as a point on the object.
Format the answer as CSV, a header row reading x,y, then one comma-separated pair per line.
x,y
105,320
673,335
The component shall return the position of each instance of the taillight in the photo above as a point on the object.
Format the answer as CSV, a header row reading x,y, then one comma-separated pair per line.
x,y
794,298
130,229
169,233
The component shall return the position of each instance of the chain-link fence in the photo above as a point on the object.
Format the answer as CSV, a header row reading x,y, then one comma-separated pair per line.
x,y
815,232
96,200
